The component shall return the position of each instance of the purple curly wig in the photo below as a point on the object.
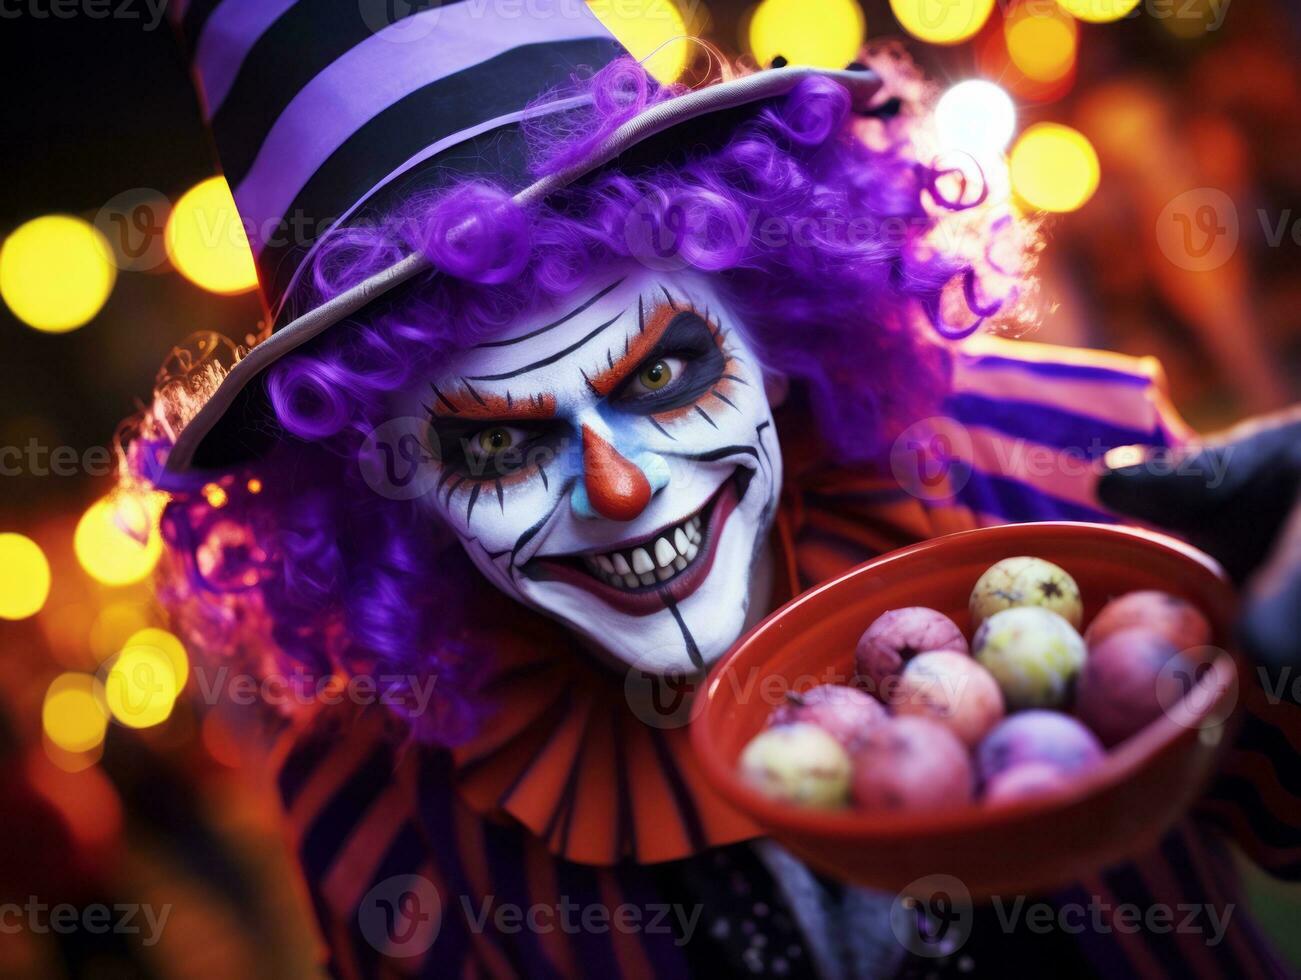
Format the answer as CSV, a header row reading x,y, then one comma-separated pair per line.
x,y
821,230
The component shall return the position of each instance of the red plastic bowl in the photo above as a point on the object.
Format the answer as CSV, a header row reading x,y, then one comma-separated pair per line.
x,y
1112,813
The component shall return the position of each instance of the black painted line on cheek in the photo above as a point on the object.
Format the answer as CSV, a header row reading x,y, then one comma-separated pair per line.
x,y
758,431
447,501
705,415
469,508
659,428
501,496
724,399
693,651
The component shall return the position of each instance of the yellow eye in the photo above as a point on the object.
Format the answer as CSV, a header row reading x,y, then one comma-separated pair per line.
x,y
655,375
494,440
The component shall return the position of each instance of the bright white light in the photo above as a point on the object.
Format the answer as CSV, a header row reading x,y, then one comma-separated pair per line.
x,y
975,116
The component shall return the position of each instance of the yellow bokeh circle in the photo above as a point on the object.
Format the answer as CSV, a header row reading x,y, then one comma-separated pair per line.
x,y
72,716
56,272
822,33
160,640
1099,11
141,687
653,31
24,577
206,241
942,21
1054,167
1042,44
117,540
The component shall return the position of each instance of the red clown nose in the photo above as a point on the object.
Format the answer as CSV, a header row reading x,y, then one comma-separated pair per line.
x,y
616,487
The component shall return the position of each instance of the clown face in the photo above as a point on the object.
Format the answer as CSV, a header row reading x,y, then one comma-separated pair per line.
x,y
612,464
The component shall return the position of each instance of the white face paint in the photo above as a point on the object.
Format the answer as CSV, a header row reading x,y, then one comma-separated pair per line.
x,y
612,463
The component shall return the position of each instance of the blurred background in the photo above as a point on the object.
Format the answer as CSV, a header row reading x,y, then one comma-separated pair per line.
x,y
1163,137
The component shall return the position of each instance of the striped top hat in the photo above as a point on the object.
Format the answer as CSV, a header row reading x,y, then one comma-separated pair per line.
x,y
329,112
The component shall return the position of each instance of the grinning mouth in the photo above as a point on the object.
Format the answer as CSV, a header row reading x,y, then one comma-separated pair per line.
x,y
670,563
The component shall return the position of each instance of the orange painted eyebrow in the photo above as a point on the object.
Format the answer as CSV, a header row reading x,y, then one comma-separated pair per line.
x,y
637,348
467,403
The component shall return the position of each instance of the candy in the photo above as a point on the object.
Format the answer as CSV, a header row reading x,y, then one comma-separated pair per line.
x,y
1159,612
1025,581
1033,653
1048,737
799,764
1131,676
952,689
895,637
911,764
845,713
1024,782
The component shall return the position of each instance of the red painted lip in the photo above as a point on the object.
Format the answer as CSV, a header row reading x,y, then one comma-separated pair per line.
x,y
650,598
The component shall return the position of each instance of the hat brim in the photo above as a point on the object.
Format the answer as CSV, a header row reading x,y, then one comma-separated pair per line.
x,y
198,447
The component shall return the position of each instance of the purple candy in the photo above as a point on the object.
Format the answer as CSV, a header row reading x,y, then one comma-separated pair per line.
x,y
1049,737
895,637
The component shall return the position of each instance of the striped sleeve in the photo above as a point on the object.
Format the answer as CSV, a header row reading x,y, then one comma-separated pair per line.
x,y
1032,423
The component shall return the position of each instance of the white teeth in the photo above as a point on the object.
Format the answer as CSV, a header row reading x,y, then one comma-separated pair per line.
x,y
672,553
641,561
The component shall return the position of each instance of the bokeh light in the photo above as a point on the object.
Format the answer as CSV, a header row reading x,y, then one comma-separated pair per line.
x,y
56,272
72,716
822,33
1054,167
117,540
24,577
653,31
169,645
1042,41
976,116
206,241
141,687
1099,11
942,21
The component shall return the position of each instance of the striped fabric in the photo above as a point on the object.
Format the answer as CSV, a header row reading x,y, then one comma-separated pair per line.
x,y
566,802
333,110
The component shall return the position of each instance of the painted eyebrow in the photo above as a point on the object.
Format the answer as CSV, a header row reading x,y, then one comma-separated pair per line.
x,y
550,359
551,326
468,404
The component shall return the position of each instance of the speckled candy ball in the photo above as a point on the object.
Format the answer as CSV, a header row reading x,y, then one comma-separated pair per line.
x,y
952,689
895,637
911,764
1024,782
1025,581
1033,653
1047,737
1131,676
1178,620
798,764
844,713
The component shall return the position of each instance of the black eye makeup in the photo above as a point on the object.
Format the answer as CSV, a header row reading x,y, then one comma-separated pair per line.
x,y
492,450
685,364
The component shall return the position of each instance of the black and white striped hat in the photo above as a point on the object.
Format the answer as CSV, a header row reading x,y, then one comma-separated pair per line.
x,y
329,112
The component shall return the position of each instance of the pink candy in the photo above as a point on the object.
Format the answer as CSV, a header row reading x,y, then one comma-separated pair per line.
x,y
896,637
